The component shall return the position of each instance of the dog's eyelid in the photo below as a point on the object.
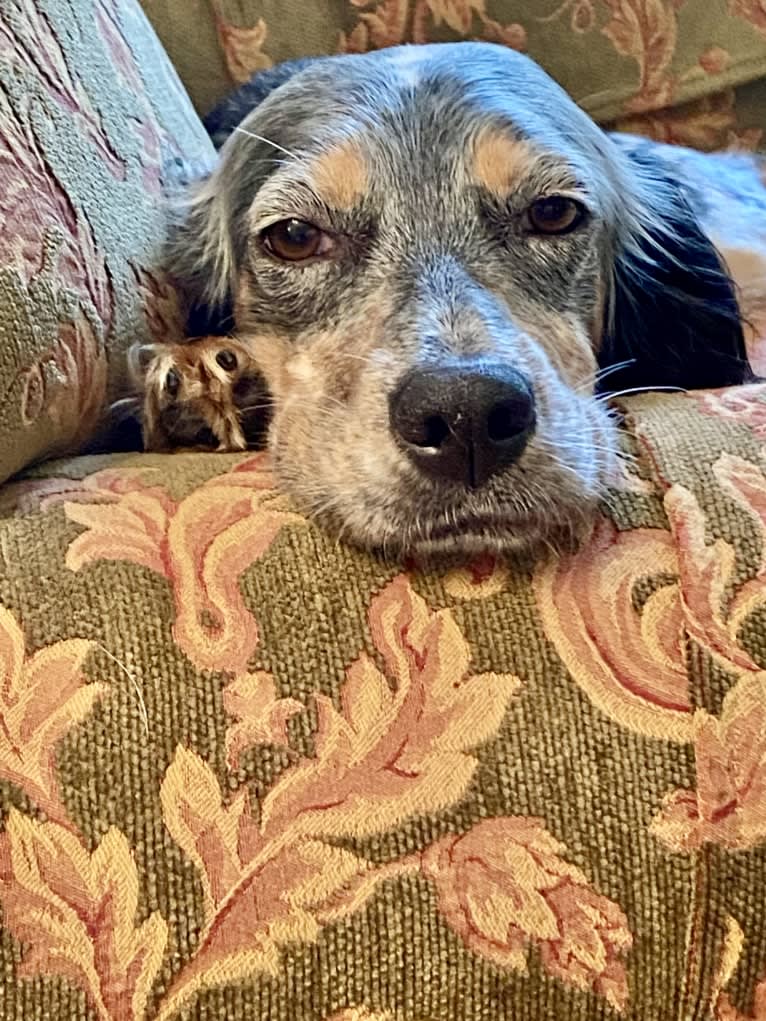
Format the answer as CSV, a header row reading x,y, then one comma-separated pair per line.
x,y
579,195
263,224
300,202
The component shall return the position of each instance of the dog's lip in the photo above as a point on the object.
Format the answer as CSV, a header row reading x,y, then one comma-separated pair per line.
x,y
494,525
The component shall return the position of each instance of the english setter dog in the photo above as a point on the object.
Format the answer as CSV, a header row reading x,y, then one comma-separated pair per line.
x,y
428,269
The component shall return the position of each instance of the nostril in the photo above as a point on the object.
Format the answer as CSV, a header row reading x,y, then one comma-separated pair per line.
x,y
507,419
435,431
428,432
500,423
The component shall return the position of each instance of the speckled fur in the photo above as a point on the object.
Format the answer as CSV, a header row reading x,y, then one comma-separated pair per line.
x,y
432,265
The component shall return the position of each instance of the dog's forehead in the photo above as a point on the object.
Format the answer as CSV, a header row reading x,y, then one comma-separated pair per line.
x,y
420,110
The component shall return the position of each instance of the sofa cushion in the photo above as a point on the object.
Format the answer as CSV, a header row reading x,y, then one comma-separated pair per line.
x,y
618,58
247,772
95,132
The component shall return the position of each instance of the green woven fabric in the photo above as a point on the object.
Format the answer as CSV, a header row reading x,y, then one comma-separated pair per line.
x,y
618,58
246,772
95,131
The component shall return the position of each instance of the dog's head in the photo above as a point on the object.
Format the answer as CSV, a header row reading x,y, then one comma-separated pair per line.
x,y
430,251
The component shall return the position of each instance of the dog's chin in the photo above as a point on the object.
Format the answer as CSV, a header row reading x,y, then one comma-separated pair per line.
x,y
521,538
376,500
498,536
463,529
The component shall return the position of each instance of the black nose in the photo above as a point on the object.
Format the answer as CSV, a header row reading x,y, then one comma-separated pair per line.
x,y
463,423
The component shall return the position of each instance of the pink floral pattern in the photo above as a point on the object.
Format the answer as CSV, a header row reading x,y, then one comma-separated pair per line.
x,y
66,252
503,885
485,756
665,67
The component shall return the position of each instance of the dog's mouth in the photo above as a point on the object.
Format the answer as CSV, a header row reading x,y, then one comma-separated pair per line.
x,y
415,518
495,533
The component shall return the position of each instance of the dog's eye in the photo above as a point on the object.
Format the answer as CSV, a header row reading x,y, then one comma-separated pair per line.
x,y
295,240
227,360
555,214
172,382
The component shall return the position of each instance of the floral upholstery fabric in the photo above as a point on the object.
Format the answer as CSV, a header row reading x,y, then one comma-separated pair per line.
x,y
249,773
246,772
95,130
623,60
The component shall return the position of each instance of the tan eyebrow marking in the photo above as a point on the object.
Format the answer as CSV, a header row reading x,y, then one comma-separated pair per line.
x,y
499,163
340,176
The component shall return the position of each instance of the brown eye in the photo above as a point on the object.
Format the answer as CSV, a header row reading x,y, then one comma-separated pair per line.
x,y
555,214
227,360
172,382
294,240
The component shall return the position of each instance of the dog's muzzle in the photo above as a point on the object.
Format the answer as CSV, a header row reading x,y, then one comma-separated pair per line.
x,y
463,423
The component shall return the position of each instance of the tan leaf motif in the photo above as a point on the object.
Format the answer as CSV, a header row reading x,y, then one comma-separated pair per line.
x,y
708,123
201,544
401,744
724,1009
260,895
630,662
202,826
745,483
513,34
75,913
41,697
753,11
457,14
733,944
629,658
503,885
242,46
484,577
380,24
647,31
705,573
252,700
728,807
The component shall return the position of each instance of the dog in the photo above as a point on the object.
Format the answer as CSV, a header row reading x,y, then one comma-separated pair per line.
x,y
430,269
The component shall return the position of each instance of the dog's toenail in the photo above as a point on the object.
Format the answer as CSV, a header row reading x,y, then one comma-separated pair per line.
x,y
172,382
227,360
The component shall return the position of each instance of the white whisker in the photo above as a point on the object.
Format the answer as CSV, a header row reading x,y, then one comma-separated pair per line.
x,y
268,141
601,375
641,390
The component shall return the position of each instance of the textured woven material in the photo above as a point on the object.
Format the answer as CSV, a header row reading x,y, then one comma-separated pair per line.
x,y
625,61
95,129
249,773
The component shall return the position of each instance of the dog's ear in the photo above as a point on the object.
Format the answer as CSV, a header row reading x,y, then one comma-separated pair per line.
x,y
205,245
673,317
232,110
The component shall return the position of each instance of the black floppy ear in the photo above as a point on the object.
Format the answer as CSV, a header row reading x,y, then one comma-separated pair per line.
x,y
232,110
206,246
673,318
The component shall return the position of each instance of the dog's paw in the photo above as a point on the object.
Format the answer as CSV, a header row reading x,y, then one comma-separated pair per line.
x,y
205,394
